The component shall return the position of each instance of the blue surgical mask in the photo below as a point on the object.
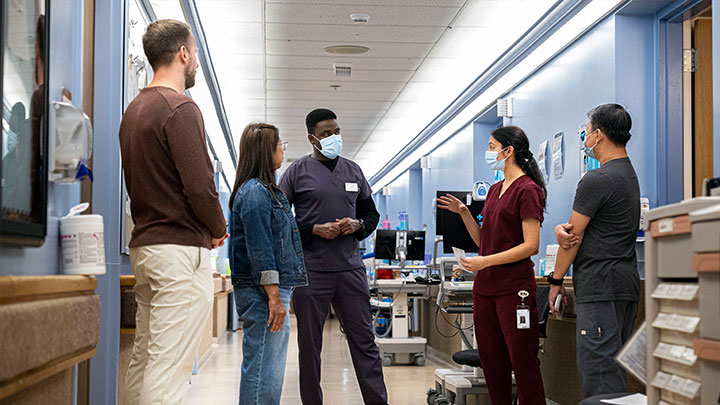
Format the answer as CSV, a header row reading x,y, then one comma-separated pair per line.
x,y
590,152
331,146
491,160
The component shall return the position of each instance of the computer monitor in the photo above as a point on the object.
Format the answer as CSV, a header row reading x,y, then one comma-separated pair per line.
x,y
386,241
451,226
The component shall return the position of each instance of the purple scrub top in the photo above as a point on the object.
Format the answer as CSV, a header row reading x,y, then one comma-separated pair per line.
x,y
319,196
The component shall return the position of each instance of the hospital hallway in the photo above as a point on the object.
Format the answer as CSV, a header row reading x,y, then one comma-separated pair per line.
x,y
218,380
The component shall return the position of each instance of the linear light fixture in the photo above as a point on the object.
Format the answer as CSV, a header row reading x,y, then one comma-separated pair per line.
x,y
588,17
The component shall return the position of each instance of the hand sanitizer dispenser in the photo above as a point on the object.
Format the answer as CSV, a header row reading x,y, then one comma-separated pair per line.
x,y
70,142
480,191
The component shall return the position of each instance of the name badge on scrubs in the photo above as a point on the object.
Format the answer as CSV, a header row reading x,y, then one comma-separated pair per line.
x,y
522,311
351,187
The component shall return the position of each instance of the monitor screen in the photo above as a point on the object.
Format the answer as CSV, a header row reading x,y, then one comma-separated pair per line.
x,y
451,226
386,240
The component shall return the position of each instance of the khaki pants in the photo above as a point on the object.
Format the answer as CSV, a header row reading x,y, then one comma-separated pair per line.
x,y
174,293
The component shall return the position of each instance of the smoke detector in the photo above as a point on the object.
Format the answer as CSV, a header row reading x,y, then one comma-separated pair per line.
x,y
347,49
342,69
359,18
504,107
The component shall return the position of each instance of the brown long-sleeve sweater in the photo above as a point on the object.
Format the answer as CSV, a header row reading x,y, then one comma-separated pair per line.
x,y
168,172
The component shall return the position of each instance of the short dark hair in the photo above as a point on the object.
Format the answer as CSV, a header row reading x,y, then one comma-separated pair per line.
x,y
163,39
318,115
613,120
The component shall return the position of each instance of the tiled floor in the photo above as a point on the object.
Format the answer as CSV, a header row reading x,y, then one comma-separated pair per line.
x,y
219,378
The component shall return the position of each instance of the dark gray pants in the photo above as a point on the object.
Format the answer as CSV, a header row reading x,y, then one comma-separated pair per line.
x,y
348,293
602,329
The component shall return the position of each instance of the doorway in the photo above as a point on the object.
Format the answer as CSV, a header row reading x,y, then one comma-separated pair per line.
x,y
698,102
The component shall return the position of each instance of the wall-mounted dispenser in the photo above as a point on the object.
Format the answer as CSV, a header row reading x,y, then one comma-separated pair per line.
x,y
480,191
70,143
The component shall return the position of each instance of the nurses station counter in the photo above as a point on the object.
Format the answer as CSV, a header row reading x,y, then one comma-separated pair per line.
x,y
557,354
49,325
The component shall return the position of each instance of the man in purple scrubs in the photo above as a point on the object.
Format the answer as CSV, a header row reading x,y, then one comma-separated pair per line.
x,y
334,210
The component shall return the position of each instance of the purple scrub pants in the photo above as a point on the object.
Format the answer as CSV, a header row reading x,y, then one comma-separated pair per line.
x,y
348,293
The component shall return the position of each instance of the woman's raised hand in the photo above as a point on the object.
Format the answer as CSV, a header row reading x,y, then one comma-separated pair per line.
x,y
452,204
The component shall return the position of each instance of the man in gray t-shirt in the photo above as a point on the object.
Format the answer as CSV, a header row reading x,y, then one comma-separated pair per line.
x,y
599,241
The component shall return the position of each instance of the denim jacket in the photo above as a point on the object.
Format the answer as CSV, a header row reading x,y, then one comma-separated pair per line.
x,y
265,245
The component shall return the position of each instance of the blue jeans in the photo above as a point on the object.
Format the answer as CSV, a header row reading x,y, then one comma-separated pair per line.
x,y
264,352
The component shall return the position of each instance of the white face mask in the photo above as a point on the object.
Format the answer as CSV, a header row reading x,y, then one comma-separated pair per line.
x,y
331,146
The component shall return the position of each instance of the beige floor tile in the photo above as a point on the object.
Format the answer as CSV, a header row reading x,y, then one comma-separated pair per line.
x,y
219,378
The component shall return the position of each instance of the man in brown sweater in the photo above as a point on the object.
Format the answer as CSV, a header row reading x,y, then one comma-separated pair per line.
x,y
177,218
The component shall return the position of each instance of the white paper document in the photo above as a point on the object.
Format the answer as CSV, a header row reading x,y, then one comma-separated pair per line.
x,y
459,254
634,399
633,356
557,156
542,160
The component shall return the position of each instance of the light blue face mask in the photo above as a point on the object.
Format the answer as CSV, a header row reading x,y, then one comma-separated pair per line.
x,y
590,152
491,160
331,146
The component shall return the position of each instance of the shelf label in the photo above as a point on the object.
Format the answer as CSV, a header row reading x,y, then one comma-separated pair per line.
x,y
666,225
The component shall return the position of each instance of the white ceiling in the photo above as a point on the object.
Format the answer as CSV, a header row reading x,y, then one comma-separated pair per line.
x,y
271,65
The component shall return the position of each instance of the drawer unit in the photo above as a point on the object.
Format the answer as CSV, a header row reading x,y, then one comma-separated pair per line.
x,y
683,306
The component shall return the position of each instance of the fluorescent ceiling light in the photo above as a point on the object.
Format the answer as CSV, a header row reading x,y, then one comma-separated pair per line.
x,y
470,46
583,20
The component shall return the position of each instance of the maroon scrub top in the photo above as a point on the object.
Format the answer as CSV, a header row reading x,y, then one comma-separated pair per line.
x,y
502,230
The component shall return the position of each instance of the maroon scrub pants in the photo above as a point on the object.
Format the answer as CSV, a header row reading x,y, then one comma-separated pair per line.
x,y
504,348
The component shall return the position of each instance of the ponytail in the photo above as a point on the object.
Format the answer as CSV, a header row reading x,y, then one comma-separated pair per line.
x,y
515,137
532,170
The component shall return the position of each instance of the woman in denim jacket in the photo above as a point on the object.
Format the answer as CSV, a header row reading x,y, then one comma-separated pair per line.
x,y
267,263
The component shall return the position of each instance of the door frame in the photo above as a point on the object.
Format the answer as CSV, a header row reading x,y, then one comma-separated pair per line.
x,y
671,173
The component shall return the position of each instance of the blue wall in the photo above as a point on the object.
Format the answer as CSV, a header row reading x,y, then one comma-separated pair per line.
x,y
614,62
109,65
557,98
65,63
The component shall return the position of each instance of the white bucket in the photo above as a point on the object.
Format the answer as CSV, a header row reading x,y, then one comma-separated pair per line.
x,y
83,244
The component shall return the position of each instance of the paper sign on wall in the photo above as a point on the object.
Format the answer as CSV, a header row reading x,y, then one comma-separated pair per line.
x,y
557,156
542,161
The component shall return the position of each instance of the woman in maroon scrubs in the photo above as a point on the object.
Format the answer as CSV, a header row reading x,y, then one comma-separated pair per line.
x,y
509,236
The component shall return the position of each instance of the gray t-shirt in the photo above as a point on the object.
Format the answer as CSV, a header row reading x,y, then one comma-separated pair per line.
x,y
605,268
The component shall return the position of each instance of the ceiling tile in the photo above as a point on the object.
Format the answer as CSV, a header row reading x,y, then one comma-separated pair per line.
x,y
311,104
359,62
352,33
330,95
343,114
391,15
328,75
433,3
377,49
347,85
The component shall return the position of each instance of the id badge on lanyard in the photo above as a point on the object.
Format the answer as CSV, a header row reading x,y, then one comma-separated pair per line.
x,y
522,311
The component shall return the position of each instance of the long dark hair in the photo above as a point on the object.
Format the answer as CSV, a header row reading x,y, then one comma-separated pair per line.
x,y
256,157
515,137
